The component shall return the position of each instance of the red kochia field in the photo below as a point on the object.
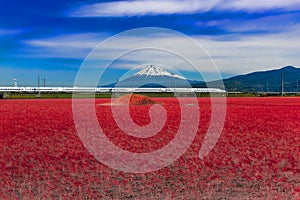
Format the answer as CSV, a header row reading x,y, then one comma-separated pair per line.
x,y
257,155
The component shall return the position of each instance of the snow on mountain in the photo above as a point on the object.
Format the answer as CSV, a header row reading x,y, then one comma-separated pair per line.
x,y
154,76
154,70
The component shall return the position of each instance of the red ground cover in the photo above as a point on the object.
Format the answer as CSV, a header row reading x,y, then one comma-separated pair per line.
x,y
257,155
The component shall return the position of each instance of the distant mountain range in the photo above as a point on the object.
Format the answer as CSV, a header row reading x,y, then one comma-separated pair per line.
x,y
262,81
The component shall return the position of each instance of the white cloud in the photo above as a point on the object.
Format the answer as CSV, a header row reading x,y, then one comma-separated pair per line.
x,y
258,5
85,40
165,7
143,7
268,24
248,54
253,53
66,46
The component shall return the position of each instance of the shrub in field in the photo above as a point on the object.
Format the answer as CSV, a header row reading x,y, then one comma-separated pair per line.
x,y
132,99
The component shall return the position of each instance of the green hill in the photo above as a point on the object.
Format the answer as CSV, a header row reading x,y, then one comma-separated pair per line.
x,y
263,81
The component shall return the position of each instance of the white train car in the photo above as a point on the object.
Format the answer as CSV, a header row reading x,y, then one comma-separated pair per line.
x,y
103,90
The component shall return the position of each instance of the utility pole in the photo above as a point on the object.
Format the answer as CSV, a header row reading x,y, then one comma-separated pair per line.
x,y
174,88
282,84
15,82
39,86
117,85
267,86
44,82
38,81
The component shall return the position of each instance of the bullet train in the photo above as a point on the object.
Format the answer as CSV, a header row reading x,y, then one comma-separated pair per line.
x,y
102,89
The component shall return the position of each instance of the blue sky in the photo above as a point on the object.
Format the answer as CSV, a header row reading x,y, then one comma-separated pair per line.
x,y
51,38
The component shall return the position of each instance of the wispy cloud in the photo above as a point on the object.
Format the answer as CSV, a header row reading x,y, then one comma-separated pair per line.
x,y
249,53
86,40
166,7
258,5
65,46
142,7
262,25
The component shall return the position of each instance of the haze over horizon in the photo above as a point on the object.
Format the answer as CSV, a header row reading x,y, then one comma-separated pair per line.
x,y
51,38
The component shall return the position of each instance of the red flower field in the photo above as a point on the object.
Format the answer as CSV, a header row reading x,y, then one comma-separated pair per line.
x,y
256,157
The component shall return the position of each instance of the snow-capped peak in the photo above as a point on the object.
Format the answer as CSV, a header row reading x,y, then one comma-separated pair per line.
x,y
154,70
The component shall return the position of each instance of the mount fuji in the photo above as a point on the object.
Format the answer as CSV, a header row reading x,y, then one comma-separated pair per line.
x,y
154,71
154,76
